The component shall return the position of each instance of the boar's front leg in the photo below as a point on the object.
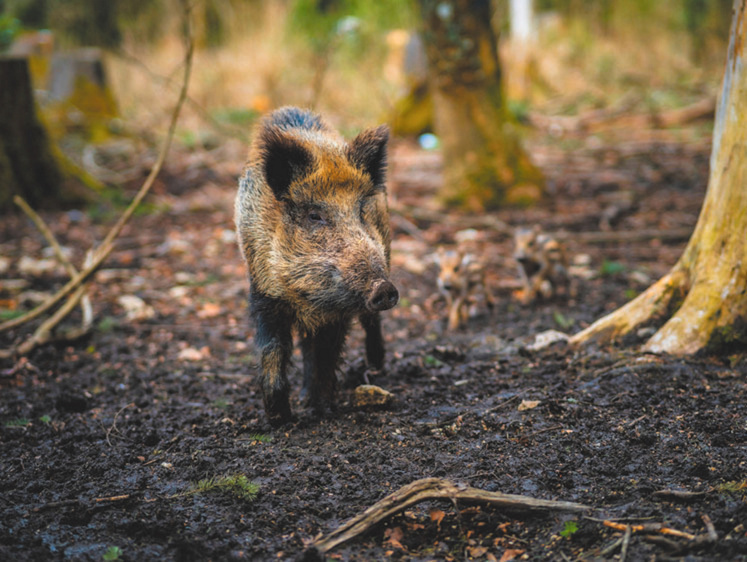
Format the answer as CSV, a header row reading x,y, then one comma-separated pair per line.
x,y
321,355
275,345
374,341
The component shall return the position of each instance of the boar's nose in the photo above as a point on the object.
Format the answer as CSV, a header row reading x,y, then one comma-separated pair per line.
x,y
383,297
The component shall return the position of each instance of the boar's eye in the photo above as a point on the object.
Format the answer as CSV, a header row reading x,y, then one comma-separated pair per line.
x,y
316,217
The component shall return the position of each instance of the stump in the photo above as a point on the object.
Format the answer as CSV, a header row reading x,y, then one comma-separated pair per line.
x,y
30,164
27,165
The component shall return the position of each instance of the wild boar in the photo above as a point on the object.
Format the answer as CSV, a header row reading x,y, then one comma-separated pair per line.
x,y
313,227
543,265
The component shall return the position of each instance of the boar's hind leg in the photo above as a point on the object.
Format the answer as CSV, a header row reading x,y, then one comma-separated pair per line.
x,y
374,341
275,345
321,355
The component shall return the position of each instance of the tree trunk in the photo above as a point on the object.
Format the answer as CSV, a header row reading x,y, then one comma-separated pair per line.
x,y
27,166
708,285
484,163
30,164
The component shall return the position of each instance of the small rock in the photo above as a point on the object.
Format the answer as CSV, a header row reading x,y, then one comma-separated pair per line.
x,y
192,354
645,333
36,268
546,339
640,278
135,308
371,395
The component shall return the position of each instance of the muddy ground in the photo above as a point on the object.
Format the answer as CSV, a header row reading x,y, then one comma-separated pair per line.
x,y
103,441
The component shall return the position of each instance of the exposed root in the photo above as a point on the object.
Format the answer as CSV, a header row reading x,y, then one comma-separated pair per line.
x,y
654,303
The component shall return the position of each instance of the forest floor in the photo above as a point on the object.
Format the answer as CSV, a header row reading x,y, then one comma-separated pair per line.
x,y
132,443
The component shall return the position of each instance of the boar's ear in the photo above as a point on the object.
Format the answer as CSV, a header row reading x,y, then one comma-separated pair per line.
x,y
283,159
367,151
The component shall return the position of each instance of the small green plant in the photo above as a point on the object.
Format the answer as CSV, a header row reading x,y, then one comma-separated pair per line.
x,y
236,116
630,294
236,484
611,268
562,320
7,314
45,419
108,324
221,403
260,438
431,361
20,422
569,528
733,487
112,553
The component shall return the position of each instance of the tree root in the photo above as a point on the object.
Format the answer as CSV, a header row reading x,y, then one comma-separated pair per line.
x,y
652,304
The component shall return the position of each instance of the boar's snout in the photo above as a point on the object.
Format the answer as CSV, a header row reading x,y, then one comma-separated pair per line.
x,y
383,297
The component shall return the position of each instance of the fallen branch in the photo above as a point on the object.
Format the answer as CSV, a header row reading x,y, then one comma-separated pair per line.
x,y
107,245
486,221
429,489
489,222
598,120
680,495
625,543
601,237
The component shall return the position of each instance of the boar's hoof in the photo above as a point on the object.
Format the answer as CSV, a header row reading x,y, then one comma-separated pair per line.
x,y
383,297
278,412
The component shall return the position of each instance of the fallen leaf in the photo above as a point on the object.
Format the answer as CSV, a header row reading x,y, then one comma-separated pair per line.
x,y
437,516
192,354
371,395
393,537
477,551
510,554
209,310
528,405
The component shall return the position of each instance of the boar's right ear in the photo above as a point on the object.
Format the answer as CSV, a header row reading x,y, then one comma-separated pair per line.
x,y
368,152
283,159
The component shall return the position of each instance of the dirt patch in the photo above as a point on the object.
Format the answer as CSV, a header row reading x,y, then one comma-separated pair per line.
x,y
104,442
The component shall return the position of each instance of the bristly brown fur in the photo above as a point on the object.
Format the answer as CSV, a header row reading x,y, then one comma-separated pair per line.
x,y
313,227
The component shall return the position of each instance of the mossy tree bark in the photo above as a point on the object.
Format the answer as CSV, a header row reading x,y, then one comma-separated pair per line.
x,y
706,291
30,164
484,162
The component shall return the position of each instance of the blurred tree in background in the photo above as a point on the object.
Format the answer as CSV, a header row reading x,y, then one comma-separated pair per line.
x,y
484,162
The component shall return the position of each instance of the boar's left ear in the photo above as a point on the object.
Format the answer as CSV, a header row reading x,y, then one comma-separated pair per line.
x,y
367,151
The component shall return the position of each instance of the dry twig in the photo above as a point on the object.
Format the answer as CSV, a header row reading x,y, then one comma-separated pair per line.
x,y
625,543
649,528
428,489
